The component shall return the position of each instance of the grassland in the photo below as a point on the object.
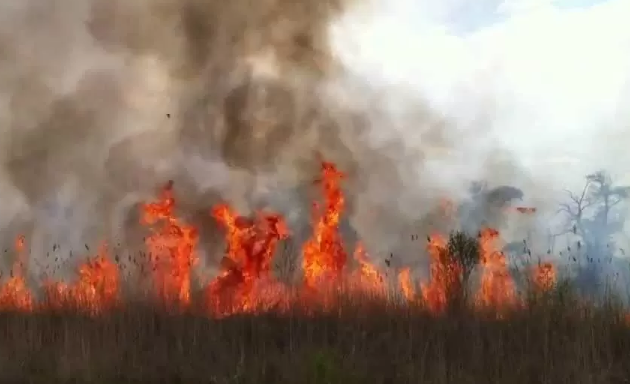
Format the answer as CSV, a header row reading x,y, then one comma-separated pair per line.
x,y
555,339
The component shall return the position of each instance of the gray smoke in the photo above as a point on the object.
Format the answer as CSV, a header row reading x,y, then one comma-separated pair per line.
x,y
104,101
524,104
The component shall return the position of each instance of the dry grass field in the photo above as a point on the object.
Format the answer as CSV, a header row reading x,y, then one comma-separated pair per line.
x,y
553,340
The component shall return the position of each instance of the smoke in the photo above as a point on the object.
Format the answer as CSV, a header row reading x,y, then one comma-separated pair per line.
x,y
104,101
529,90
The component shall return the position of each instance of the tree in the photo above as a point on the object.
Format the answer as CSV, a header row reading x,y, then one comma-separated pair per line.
x,y
464,250
457,261
594,217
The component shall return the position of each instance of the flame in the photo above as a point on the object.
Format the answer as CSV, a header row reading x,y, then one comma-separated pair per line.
x,y
96,290
14,294
544,277
367,277
171,248
444,276
251,245
324,257
20,244
497,286
246,283
406,285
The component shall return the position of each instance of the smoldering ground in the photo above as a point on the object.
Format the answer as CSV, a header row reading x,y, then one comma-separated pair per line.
x,y
104,101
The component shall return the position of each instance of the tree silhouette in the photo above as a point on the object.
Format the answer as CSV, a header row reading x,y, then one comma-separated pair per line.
x,y
464,249
459,258
594,217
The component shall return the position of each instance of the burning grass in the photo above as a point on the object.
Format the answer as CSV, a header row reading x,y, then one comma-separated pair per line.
x,y
346,322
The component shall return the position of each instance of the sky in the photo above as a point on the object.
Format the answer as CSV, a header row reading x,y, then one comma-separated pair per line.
x,y
552,77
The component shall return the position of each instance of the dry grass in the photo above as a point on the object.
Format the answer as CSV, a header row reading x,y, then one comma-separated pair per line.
x,y
553,341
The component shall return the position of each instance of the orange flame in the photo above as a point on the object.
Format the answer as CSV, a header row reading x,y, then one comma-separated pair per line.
x,y
171,249
367,277
544,277
246,283
14,294
444,278
497,286
251,245
406,285
95,292
324,257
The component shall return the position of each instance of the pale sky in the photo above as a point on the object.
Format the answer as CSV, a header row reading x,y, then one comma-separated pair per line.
x,y
553,74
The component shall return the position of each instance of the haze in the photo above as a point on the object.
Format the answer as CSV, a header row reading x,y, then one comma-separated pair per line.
x,y
549,80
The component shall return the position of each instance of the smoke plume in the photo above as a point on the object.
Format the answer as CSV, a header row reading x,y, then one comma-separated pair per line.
x,y
104,101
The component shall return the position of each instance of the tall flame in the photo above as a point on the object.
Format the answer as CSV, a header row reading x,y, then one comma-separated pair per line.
x,y
324,257
406,284
497,286
171,248
445,275
251,245
246,282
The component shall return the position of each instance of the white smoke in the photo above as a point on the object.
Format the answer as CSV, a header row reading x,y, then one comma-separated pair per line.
x,y
544,83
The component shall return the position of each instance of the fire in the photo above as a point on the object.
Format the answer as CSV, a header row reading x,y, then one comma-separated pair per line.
x,y
246,282
544,277
20,244
324,257
367,277
497,286
406,284
95,292
251,245
14,294
171,248
444,277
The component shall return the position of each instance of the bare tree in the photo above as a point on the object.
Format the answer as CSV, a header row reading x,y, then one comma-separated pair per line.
x,y
591,214
594,218
574,210
610,196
